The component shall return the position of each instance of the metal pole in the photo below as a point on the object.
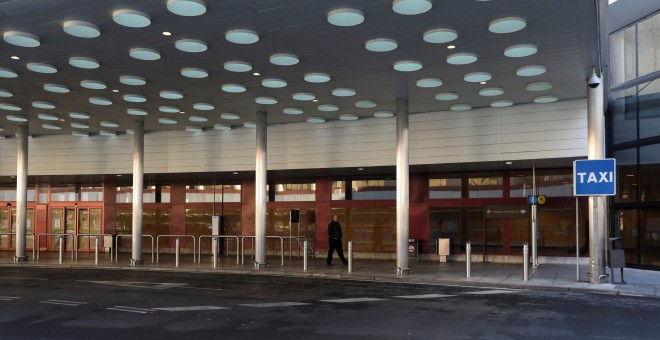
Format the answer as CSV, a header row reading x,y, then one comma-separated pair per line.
x,y
260,191
402,188
138,185
305,256
535,223
468,258
350,256
21,192
178,250
96,251
61,250
525,262
215,252
577,241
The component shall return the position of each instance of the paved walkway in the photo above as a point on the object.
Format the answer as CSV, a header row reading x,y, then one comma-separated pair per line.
x,y
557,277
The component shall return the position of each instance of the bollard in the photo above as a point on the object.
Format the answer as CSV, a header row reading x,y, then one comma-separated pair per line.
x,y
305,256
96,251
178,249
215,253
61,250
350,256
525,262
468,258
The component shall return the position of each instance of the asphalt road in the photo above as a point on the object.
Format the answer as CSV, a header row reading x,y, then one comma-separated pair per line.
x,y
110,304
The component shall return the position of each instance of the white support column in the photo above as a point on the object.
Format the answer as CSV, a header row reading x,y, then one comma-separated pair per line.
x,y
402,188
138,184
597,204
260,191
21,192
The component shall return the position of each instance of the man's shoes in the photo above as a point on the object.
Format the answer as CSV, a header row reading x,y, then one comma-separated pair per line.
x,y
330,264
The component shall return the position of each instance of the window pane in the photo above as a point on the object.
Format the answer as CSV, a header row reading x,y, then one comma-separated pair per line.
x,y
485,187
626,170
444,188
446,223
649,167
629,232
63,193
624,116
295,192
648,40
94,194
623,56
338,190
649,221
649,109
374,190
370,229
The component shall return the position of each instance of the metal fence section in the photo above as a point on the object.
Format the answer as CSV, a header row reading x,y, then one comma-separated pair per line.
x,y
127,236
77,238
243,237
55,235
26,235
215,237
177,237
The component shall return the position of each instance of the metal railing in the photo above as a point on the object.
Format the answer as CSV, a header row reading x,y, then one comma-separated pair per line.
x,y
177,237
77,237
129,235
215,237
243,237
26,235
65,235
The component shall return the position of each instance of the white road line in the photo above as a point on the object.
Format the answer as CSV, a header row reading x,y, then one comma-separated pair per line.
x,y
353,300
65,301
9,298
60,303
275,304
424,296
201,288
131,309
492,292
127,310
147,285
189,308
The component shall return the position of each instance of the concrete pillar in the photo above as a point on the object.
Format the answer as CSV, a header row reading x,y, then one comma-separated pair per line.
x,y
261,197
138,184
21,192
402,188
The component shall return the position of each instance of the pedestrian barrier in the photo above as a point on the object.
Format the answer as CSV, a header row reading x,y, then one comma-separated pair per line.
x,y
55,235
129,235
243,237
26,235
77,238
215,238
177,237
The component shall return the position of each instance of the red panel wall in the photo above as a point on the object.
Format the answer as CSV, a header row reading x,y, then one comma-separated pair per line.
x,y
248,207
323,199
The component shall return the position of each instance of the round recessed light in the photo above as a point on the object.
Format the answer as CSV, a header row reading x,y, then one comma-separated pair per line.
x,y
507,25
56,88
79,115
440,35
6,93
265,100
187,8
22,39
84,62
93,84
274,83
348,116
501,103
167,121
41,68
250,125
317,77
491,91
303,96
198,119
545,99
328,107
146,54
315,120
169,109
10,107
429,82
109,124
381,45
107,133
81,29
193,72
383,114
343,92
17,118
194,128
540,86
237,66
408,65
233,88
345,17
284,59
131,18
461,58
80,125
446,96
7,73
132,80
365,104
100,101
203,106
51,126
292,111
477,77
242,36
230,116
43,105
170,94
222,127
460,107
411,7
190,45
80,133
134,98
530,71
519,51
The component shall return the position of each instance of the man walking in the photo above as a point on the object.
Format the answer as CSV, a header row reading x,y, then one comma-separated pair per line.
x,y
334,240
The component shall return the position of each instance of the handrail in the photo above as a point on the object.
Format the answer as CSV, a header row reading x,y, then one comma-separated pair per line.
x,y
129,235
75,244
175,236
52,234
26,235
199,245
254,237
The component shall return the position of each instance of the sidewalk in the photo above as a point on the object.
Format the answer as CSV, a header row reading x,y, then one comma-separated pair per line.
x,y
555,277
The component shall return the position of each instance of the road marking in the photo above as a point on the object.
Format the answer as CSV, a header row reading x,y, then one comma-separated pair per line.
x,y
22,278
424,296
491,292
63,302
353,300
131,309
148,285
275,304
202,288
9,298
189,308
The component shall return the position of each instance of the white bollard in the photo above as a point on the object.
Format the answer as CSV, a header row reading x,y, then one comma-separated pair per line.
x,y
525,262
61,249
468,258
305,245
96,251
215,252
178,250
350,256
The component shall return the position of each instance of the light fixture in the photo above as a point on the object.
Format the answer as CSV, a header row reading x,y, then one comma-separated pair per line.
x,y
292,111
380,45
41,68
440,35
429,82
170,94
407,65
242,36
100,101
303,96
451,47
265,100
81,29
460,107
360,169
134,98
250,125
57,88
146,54
203,106
519,51
22,39
256,74
131,18
190,45
343,92
10,107
316,120
17,118
233,88
15,57
348,116
328,107
507,25
365,104
167,34
195,73
79,115
93,84
483,82
115,91
461,58
107,133
530,71
237,66
274,83
446,96
222,127
545,99
508,163
76,133
491,91
345,17
540,86
194,128
230,116
411,7
284,59
137,112
51,126
168,109
43,105
198,119
501,103
6,93
109,124
167,120
477,77
186,8
132,80
76,125
317,77
383,114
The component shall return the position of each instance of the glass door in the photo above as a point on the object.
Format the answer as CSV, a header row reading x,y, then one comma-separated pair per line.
x,y
4,228
56,227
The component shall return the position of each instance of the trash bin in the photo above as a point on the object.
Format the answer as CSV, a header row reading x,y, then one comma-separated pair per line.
x,y
413,247
107,243
617,258
443,249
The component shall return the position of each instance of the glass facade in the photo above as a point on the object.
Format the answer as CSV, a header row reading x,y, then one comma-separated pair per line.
x,y
374,189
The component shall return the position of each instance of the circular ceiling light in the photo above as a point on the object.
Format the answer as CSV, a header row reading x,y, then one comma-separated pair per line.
x,y
167,120
9,107
383,114
348,116
171,94
17,118
345,17
491,91
43,105
80,125
195,73
198,119
190,45
131,18
233,88
461,58
273,83
137,112
250,125
381,45
530,71
79,115
411,7
230,116
132,80
477,77
56,88
5,93
169,109
81,29
501,103
292,111
7,73
84,62
41,68
203,106
440,35
519,51
429,82
317,77
328,107
315,120
51,126
343,92
446,96
408,65
100,101
22,39
540,86
80,133
365,104
134,98
109,124
545,99
242,36
507,25
460,107
303,96
284,59
93,84
146,54
238,66
194,128
187,8
107,133
222,127
266,100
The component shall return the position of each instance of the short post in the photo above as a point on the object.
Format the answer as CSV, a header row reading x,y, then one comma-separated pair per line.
x,y
178,249
215,252
525,262
468,258
350,256
96,251
305,256
61,250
